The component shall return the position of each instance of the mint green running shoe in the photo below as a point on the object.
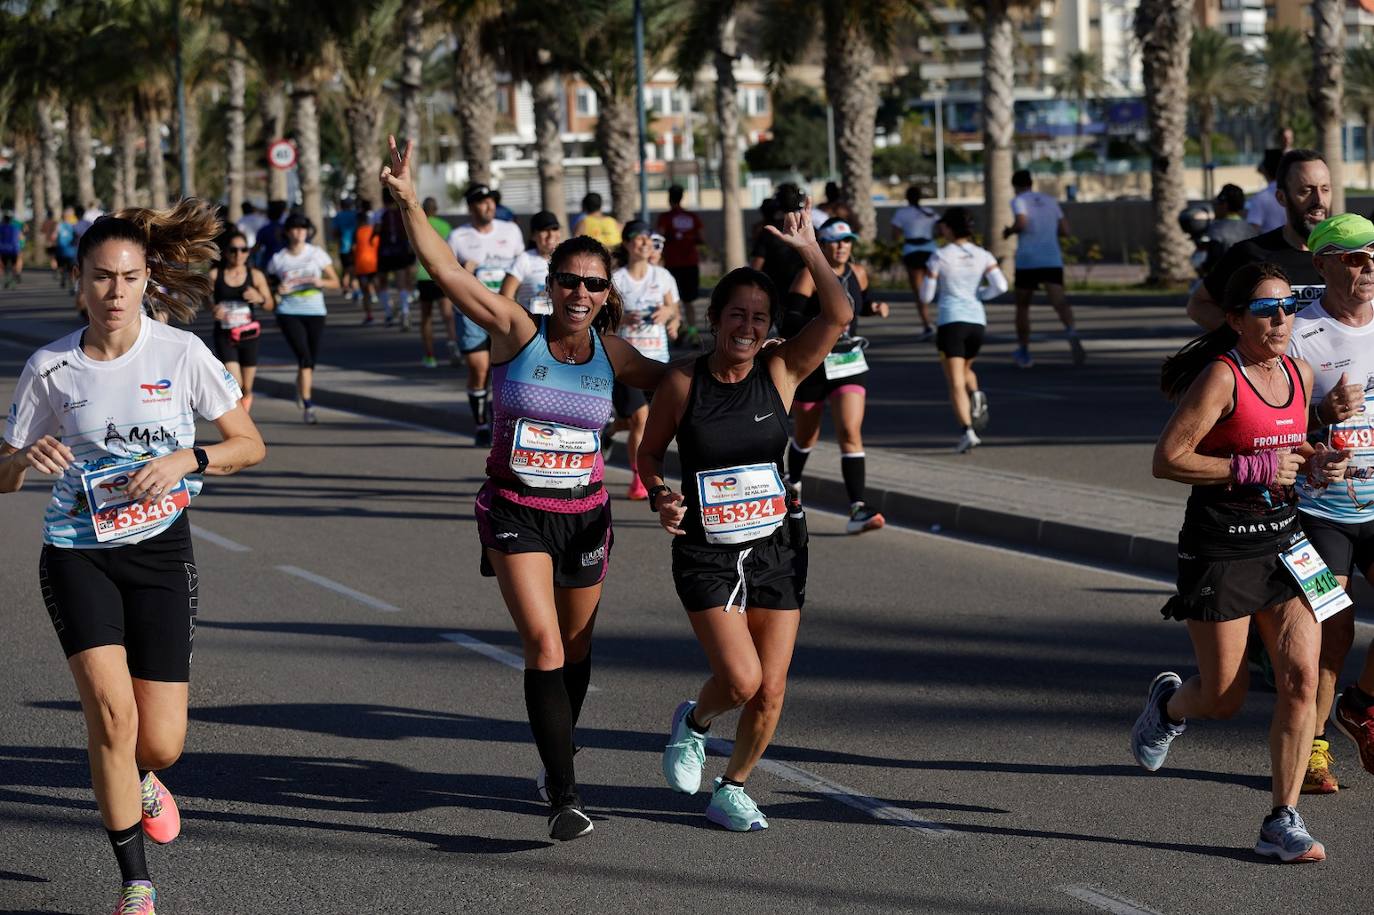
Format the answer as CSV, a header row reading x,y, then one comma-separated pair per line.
x,y
685,754
732,808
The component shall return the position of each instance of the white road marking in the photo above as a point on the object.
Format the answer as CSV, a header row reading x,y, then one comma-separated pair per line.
x,y
1107,902
499,655
897,816
223,543
337,588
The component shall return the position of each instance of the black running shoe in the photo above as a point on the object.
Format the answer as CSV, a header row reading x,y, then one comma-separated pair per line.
x,y
568,821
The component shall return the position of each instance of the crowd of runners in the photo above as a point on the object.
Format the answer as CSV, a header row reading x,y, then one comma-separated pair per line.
x,y
571,335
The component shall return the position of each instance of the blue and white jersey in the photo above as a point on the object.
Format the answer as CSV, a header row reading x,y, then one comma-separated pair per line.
x,y
958,271
141,405
1038,243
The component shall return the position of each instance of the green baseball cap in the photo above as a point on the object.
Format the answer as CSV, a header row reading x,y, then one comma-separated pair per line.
x,y
1339,234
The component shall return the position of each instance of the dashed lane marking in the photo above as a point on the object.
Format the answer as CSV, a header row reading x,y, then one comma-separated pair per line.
x,y
488,650
223,543
1107,902
345,590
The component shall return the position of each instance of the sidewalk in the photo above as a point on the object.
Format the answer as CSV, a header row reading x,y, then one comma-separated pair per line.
x,y
1079,520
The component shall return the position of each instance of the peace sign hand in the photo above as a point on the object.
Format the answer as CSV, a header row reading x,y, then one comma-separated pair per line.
x,y
396,176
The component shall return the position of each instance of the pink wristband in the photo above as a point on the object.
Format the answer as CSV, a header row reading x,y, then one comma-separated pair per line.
x,y
1255,469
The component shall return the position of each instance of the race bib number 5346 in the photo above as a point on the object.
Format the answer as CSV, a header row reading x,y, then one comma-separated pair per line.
x,y
115,515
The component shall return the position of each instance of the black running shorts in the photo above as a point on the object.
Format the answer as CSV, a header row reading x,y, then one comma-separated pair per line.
x,y
772,572
1343,547
245,353
580,544
142,596
428,290
916,260
626,399
1034,277
960,339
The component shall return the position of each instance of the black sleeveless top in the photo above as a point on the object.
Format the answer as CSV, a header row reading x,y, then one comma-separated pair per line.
x,y
726,425
226,293
814,386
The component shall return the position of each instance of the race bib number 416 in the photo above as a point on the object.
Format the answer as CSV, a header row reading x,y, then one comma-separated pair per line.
x,y
115,515
740,504
1323,592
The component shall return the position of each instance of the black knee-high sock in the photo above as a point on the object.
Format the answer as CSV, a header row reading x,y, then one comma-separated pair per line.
x,y
796,461
128,849
546,700
852,467
577,676
477,403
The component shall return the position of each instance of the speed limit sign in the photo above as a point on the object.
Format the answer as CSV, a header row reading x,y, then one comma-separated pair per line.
x,y
282,154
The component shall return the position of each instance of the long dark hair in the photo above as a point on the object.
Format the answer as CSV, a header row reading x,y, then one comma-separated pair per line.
x,y
608,319
1183,367
176,243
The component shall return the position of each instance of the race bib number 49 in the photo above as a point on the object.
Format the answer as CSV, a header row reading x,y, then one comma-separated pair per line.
x,y
115,515
740,504
552,455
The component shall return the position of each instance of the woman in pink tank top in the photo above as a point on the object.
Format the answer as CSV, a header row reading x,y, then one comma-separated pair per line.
x,y
1238,437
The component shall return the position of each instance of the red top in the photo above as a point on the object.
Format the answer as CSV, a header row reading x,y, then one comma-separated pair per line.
x,y
682,231
1254,424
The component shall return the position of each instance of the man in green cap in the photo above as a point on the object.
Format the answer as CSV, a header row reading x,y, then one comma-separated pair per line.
x,y
1335,335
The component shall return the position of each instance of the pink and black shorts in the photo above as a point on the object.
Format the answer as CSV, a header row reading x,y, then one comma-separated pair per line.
x,y
579,543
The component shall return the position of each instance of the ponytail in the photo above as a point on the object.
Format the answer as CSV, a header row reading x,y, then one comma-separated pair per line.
x,y
176,242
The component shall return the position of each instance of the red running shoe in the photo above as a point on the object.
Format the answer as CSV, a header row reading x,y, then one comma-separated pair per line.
x,y
1357,723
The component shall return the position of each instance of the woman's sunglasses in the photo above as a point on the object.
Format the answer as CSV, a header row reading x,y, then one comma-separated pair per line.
x,y
570,281
238,250
1267,308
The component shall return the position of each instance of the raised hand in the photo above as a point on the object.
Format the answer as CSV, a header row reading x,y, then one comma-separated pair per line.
x,y
396,176
797,231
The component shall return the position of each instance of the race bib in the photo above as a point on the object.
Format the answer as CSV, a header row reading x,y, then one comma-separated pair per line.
x,y
741,504
1323,592
491,276
845,365
115,515
649,339
552,455
236,314
540,303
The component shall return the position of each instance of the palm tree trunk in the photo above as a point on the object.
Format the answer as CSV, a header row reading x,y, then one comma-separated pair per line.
x,y
20,174
727,127
474,80
365,139
192,138
412,70
307,122
152,152
235,128
51,142
83,162
1368,153
1164,29
38,192
616,136
548,143
1325,89
999,44
126,183
276,130
851,89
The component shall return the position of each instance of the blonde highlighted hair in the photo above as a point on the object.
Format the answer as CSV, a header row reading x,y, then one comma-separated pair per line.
x,y
178,243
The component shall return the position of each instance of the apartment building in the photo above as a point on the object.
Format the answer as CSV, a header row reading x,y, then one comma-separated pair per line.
x,y
1246,21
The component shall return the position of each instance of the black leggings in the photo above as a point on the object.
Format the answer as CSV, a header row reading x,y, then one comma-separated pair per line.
x,y
302,334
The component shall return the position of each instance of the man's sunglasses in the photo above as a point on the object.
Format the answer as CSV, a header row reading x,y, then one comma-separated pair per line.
x,y
1267,308
238,250
570,282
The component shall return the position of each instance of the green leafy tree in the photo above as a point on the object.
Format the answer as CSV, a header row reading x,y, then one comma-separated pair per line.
x,y
1359,95
1287,65
1080,81
1220,75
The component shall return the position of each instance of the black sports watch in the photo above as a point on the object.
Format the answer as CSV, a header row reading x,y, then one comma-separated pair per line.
x,y
654,493
202,459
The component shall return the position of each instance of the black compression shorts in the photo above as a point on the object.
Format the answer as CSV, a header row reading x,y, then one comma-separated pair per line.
x,y
1342,546
960,339
1034,277
579,544
626,399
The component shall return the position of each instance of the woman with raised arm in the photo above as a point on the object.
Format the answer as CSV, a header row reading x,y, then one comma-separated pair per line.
x,y
543,516
739,557
111,410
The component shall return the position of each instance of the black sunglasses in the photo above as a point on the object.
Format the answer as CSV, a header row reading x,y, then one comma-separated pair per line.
x,y
1267,308
570,282
238,250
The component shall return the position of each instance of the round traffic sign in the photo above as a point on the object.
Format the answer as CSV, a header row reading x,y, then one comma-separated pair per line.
x,y
282,154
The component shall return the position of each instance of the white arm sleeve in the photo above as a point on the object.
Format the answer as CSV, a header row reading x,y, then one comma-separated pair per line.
x,y
929,285
996,285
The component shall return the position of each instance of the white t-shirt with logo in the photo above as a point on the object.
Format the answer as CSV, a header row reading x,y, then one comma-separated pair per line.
x,y
958,270
1333,348
1038,244
305,269
641,298
532,270
494,250
143,404
916,222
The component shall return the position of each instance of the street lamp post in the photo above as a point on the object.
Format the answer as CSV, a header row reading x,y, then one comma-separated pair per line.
x,y
182,158
938,87
639,107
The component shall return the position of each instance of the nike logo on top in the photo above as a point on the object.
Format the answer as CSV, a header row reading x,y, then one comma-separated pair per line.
x,y
759,419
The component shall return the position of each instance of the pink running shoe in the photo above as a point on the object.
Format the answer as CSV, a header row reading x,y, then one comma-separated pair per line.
x,y
161,819
637,491
137,898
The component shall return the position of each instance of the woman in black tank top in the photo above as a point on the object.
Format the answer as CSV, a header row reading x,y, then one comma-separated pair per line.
x,y
739,554
239,291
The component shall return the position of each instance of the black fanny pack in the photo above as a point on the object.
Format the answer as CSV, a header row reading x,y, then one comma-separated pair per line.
x,y
540,492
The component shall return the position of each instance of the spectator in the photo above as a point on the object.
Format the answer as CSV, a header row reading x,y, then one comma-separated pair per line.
x,y
683,235
596,224
1264,211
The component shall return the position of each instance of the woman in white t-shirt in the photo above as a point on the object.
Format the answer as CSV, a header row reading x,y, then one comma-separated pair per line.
x,y
914,226
960,277
528,275
650,308
111,410
302,273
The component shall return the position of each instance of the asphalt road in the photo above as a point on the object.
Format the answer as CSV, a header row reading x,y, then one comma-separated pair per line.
x,y
955,737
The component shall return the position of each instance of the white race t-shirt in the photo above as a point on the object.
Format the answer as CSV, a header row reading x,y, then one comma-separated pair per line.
x,y
532,270
1333,348
1038,244
143,404
494,250
958,270
916,222
305,269
641,299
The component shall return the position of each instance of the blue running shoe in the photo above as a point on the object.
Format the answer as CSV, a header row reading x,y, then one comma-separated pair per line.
x,y
1284,835
685,755
1151,736
1022,357
732,808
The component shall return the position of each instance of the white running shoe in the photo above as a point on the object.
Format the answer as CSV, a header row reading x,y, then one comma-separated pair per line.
x,y
968,442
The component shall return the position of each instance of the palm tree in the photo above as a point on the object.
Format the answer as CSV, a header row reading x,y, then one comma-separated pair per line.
x,y
999,120
474,82
1287,65
547,86
1324,90
1164,29
412,71
1359,93
1220,74
366,58
1080,80
237,78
